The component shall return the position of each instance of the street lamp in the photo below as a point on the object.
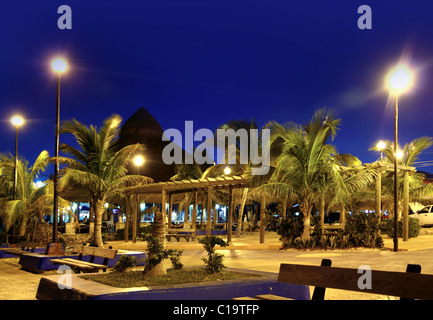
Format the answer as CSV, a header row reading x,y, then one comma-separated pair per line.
x,y
227,170
380,146
17,121
138,161
399,80
59,66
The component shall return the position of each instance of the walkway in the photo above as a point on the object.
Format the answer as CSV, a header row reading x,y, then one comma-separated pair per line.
x,y
246,253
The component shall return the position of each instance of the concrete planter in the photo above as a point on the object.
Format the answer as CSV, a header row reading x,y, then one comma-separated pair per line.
x,y
217,290
38,263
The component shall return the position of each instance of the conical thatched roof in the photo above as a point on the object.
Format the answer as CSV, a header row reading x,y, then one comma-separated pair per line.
x,y
143,128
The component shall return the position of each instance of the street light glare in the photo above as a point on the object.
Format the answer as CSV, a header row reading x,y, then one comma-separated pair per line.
x,y
400,79
59,65
138,161
17,121
381,145
227,170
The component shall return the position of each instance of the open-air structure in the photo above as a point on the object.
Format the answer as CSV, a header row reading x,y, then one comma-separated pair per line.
x,y
174,191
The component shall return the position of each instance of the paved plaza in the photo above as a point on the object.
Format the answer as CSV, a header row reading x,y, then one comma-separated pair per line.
x,y
246,252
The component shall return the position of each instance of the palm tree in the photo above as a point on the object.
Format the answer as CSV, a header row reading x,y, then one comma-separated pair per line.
x,y
99,166
307,166
30,199
410,154
240,195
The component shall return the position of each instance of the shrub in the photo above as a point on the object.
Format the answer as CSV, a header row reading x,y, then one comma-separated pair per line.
x,y
124,263
156,253
361,230
141,234
214,261
387,227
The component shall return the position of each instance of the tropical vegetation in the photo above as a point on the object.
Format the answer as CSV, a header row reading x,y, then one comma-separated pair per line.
x,y
306,171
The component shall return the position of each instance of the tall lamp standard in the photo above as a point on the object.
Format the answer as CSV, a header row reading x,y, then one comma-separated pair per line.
x,y
17,121
59,66
399,80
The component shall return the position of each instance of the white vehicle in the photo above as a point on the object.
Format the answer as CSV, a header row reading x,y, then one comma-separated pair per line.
x,y
424,216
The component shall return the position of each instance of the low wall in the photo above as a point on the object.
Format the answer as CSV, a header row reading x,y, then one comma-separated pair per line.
x,y
38,263
217,290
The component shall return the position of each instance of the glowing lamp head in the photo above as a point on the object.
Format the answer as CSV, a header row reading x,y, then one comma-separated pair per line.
x,y
381,145
399,154
17,121
138,161
400,79
227,170
59,65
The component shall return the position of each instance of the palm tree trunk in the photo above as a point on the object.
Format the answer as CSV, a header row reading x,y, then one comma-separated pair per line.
x,y
306,211
159,233
99,211
241,212
23,226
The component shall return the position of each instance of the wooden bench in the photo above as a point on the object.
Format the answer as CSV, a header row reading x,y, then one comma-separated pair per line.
x,y
26,247
406,285
178,233
78,265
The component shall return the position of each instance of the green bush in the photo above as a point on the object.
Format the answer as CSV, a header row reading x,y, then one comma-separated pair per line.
x,y
361,230
156,253
387,227
213,262
124,263
141,234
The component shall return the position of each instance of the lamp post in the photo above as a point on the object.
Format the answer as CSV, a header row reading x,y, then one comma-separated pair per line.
x,y
59,66
399,80
17,121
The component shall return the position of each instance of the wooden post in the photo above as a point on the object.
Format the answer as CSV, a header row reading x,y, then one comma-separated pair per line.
x,y
343,215
215,215
135,208
127,213
186,214
230,214
209,212
378,196
262,218
406,206
284,208
194,210
170,209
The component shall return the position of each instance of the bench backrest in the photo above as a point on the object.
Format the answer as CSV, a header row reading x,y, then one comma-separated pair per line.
x,y
400,284
27,245
98,252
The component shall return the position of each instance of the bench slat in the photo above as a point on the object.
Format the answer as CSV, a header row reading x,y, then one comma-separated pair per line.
x,y
72,263
99,252
409,285
271,297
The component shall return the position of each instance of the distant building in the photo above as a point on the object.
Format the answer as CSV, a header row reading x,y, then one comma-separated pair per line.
x,y
143,128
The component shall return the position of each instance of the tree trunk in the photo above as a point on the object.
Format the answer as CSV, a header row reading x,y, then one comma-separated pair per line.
x,y
241,212
159,233
306,211
23,226
99,211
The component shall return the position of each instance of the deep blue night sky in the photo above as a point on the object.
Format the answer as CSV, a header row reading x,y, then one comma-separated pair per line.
x,y
213,61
